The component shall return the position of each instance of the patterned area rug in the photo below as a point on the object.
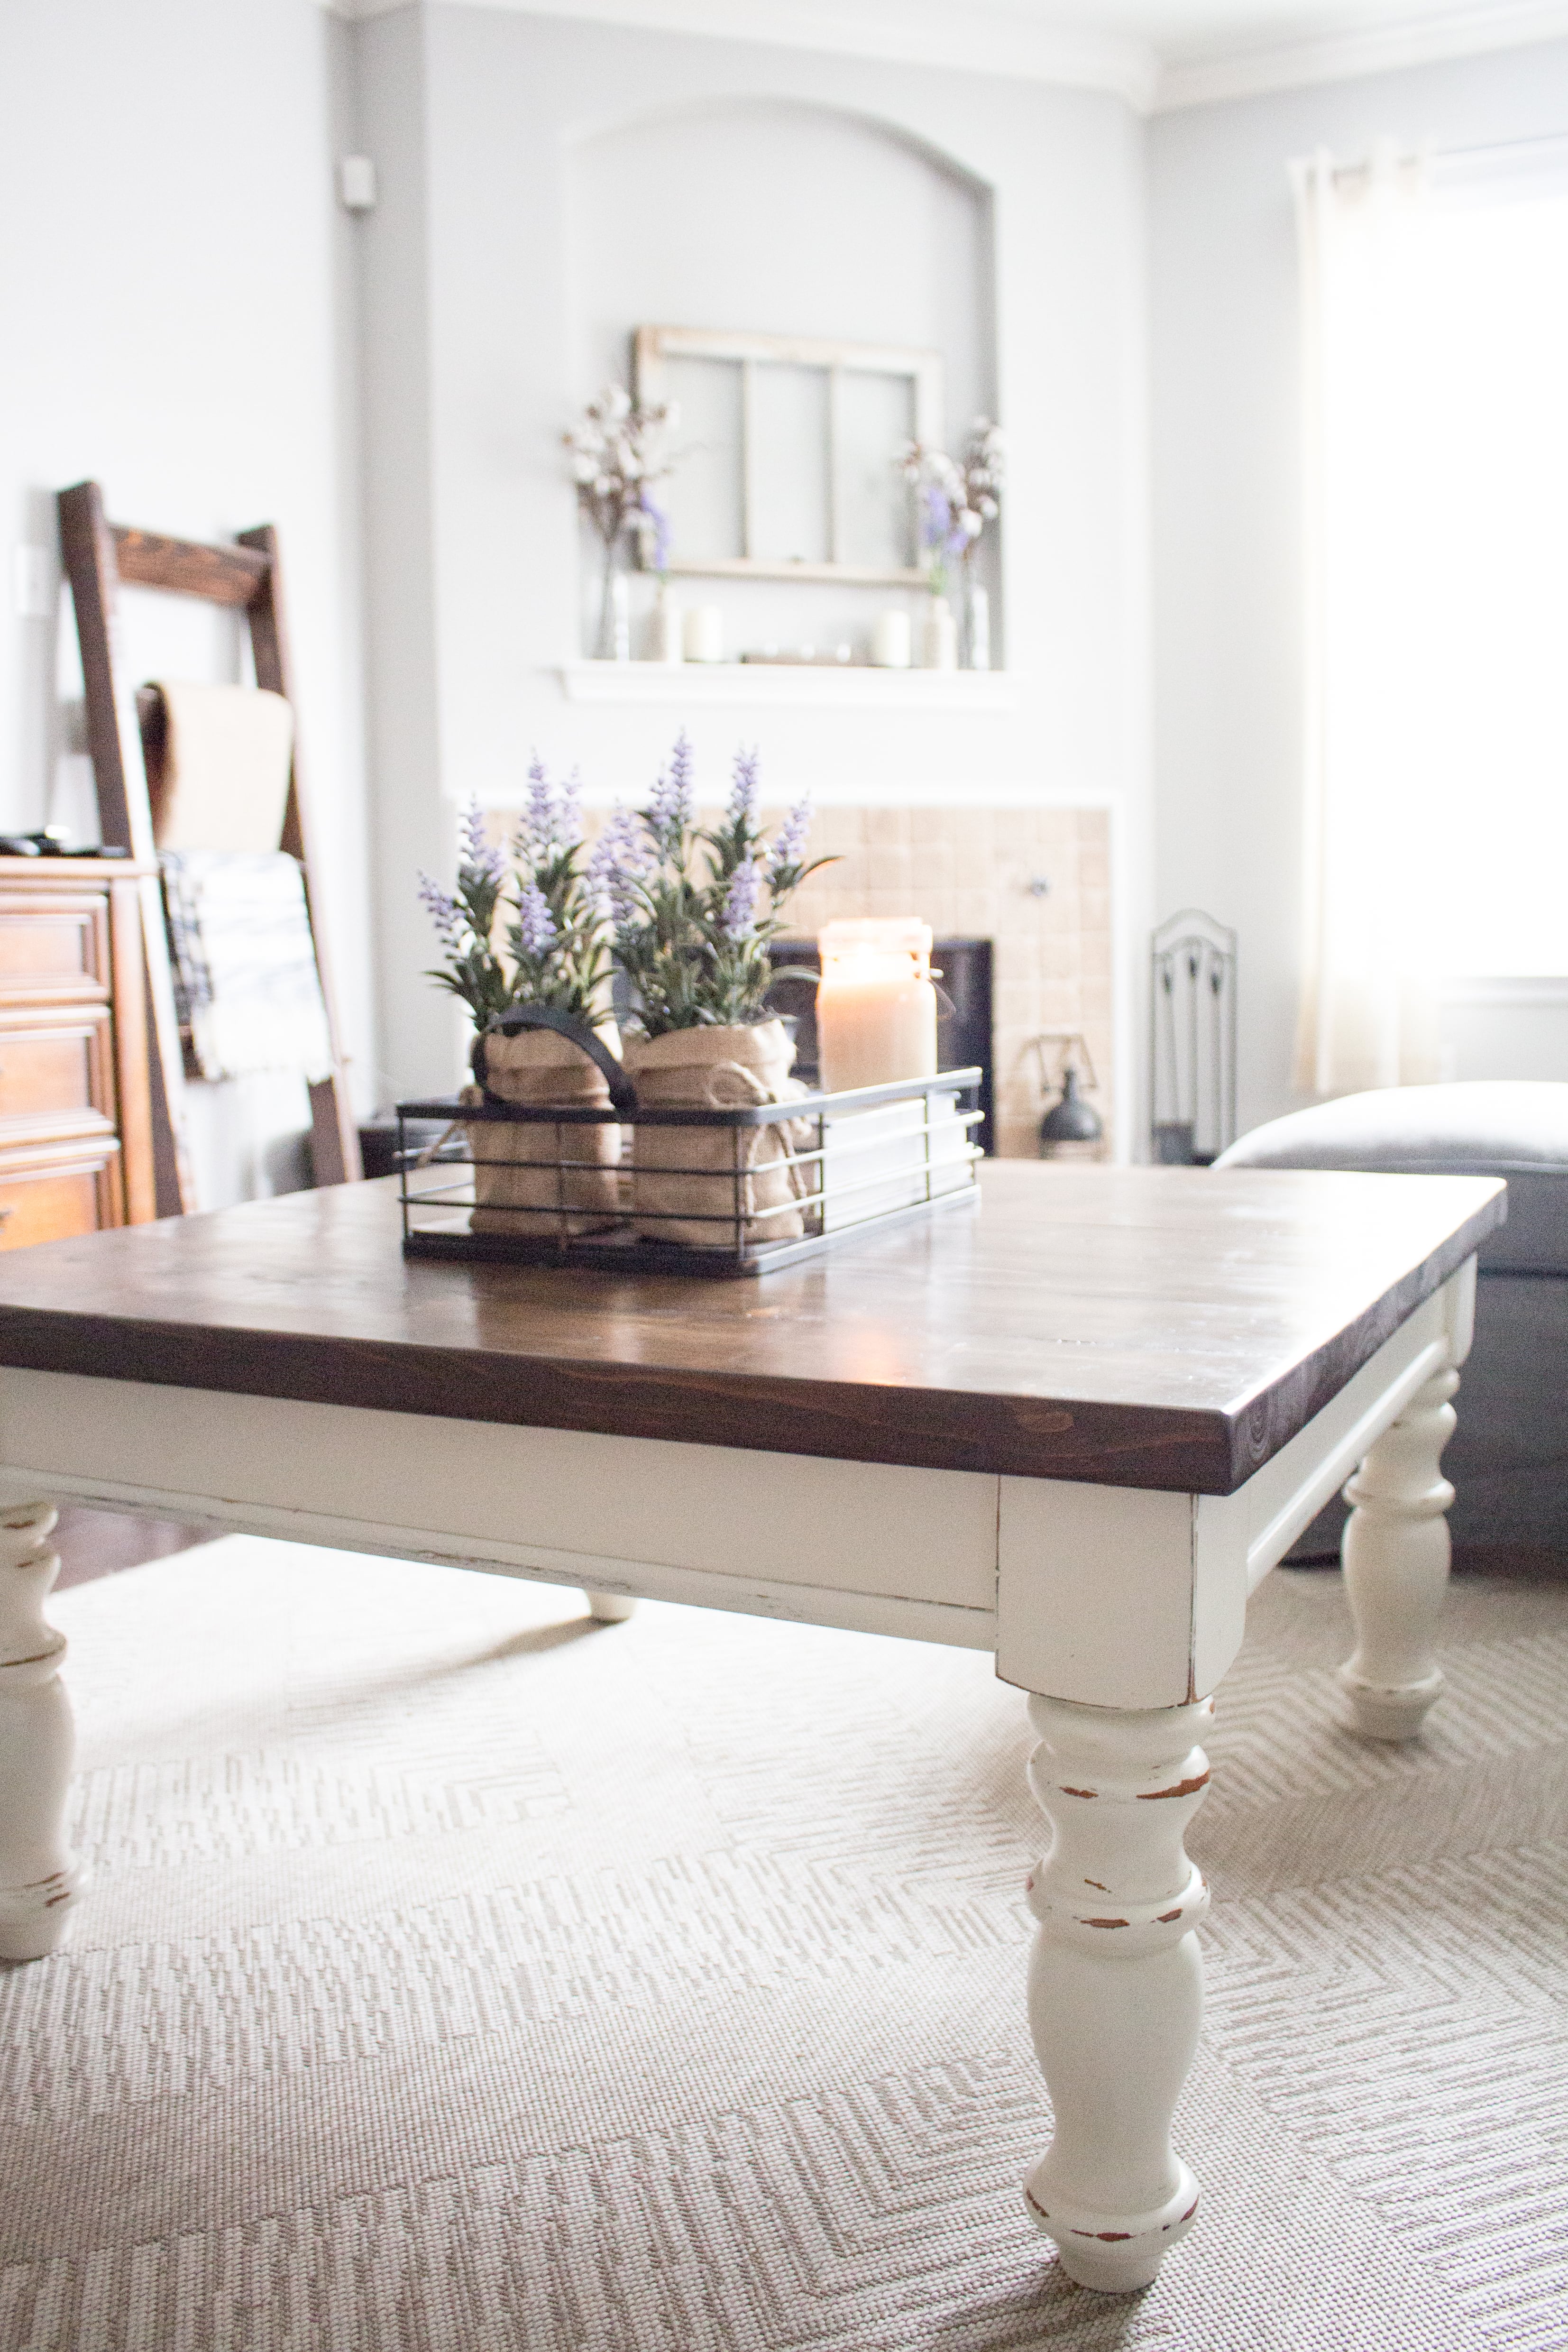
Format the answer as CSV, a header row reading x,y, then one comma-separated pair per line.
x,y
458,1974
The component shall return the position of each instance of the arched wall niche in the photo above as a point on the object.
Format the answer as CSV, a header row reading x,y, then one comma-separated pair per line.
x,y
781,217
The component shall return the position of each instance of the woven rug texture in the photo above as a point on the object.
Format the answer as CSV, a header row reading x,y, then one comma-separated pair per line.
x,y
458,1974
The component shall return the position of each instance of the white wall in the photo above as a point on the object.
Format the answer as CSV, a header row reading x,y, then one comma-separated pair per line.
x,y
184,307
758,215
1228,557
176,282
491,110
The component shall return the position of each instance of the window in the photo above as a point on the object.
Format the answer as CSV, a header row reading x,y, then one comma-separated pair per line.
x,y
1436,361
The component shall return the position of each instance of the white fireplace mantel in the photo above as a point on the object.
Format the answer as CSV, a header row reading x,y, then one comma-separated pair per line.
x,y
777,685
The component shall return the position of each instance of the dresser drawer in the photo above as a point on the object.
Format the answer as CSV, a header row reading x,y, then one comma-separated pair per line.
x,y
56,1064
50,1193
53,945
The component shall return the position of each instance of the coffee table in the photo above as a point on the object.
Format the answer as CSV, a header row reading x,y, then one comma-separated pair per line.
x,y
1074,1429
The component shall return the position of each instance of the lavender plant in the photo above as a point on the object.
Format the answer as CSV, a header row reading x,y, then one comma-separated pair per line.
x,y
556,935
560,953
464,922
694,909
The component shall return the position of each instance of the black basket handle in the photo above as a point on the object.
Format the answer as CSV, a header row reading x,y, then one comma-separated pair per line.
x,y
570,1025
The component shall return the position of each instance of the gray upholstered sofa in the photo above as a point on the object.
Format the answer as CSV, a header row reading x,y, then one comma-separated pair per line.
x,y
1509,1456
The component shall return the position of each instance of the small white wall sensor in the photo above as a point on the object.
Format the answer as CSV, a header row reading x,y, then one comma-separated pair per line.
x,y
357,182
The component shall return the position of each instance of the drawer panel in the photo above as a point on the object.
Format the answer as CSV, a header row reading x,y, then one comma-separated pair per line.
x,y
53,946
51,1196
55,1064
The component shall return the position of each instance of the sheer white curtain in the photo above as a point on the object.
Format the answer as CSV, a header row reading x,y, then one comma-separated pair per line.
x,y
1435,360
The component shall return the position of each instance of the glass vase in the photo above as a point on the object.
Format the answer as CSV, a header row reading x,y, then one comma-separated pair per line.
x,y
939,635
977,625
614,610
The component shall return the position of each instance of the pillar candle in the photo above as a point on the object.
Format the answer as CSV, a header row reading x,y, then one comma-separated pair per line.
x,y
876,1008
703,633
889,641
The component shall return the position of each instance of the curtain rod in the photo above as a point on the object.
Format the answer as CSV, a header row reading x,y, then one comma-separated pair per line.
x,y
1440,155
1498,147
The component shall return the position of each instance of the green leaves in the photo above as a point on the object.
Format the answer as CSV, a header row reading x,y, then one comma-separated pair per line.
x,y
694,946
559,950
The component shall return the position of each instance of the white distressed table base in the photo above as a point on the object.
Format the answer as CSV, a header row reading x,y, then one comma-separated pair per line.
x,y
610,1608
1133,1601
1115,1982
41,1879
1396,1556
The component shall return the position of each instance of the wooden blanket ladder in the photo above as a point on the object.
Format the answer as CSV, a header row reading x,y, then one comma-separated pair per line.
x,y
97,556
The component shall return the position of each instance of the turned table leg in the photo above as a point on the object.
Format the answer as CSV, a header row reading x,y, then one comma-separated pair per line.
x,y
39,1879
1395,1553
1115,1986
609,1608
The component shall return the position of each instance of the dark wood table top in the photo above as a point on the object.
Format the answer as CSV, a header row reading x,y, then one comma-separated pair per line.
x,y
1140,1326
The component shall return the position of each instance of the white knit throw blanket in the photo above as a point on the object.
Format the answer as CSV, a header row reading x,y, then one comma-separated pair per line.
x,y
245,964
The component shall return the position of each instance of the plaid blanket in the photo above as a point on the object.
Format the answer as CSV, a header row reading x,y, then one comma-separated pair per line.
x,y
245,982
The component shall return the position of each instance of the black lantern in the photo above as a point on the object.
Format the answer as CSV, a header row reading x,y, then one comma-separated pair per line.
x,y
1070,1124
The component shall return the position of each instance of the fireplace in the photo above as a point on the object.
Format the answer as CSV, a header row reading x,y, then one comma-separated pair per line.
x,y
962,970
1020,900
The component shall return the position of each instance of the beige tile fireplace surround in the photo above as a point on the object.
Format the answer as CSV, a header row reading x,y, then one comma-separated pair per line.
x,y
966,872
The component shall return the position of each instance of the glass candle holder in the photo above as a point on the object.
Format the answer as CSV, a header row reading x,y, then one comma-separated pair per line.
x,y
876,1006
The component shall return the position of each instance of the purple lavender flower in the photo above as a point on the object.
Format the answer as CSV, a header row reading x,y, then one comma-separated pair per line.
x,y
569,813
617,860
742,807
670,802
789,841
942,528
478,853
654,529
537,827
739,919
442,908
536,924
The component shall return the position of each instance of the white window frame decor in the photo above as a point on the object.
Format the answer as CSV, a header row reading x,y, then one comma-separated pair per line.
x,y
654,347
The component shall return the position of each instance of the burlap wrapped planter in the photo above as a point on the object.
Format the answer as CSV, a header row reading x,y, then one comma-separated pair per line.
x,y
539,1067
717,1069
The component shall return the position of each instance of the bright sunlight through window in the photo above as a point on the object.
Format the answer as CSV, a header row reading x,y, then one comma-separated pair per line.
x,y
1445,570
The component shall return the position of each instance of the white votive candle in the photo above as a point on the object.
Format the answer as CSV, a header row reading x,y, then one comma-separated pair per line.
x,y
703,633
889,641
876,1008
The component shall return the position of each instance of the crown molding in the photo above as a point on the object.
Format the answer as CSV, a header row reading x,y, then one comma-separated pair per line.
x,y
1008,42
1347,56
1019,44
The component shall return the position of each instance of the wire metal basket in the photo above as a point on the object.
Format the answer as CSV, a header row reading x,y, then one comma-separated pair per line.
x,y
796,1178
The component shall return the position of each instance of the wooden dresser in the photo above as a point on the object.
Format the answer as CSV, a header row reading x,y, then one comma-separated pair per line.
x,y
76,1132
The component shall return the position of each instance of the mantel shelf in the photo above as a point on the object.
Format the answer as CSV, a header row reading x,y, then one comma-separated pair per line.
x,y
807,686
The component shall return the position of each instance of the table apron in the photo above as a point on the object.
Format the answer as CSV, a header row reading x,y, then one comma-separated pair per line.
x,y
1108,1596
1116,1597
869,1546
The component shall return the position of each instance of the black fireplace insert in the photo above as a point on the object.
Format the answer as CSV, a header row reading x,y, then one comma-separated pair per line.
x,y
961,969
